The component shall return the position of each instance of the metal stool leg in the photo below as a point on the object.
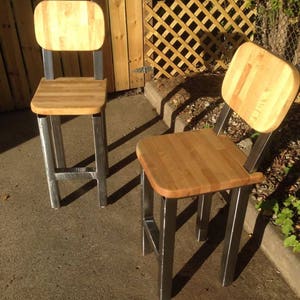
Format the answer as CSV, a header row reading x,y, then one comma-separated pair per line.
x,y
49,161
166,246
203,213
103,120
100,158
147,212
234,227
57,142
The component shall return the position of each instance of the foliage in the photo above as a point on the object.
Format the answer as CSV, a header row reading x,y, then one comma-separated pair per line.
x,y
286,215
291,8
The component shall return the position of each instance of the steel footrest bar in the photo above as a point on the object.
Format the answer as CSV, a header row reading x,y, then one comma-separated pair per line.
x,y
75,173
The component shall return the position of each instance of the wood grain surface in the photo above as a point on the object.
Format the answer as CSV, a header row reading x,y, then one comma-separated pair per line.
x,y
192,163
69,25
260,87
69,96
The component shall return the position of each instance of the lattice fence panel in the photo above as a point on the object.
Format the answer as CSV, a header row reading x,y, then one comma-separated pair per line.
x,y
194,36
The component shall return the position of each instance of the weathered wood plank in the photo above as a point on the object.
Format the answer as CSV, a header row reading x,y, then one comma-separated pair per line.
x,y
70,63
134,16
117,13
31,51
107,48
6,102
86,64
12,55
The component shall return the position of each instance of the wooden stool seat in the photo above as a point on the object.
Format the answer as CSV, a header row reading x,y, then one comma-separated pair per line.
x,y
193,163
69,96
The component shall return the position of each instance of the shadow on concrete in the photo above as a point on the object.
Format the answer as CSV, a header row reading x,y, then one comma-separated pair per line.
x,y
133,133
186,214
122,191
111,199
216,233
113,169
117,144
78,193
253,244
17,127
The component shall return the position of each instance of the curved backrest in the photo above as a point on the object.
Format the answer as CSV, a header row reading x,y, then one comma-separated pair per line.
x,y
69,25
260,87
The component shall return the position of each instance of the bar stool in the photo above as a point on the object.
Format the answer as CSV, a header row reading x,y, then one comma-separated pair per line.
x,y
260,88
70,26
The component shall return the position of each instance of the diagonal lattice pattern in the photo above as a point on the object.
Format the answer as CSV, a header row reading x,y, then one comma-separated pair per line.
x,y
194,36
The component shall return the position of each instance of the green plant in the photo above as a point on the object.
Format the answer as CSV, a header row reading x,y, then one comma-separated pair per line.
x,y
285,215
292,241
289,7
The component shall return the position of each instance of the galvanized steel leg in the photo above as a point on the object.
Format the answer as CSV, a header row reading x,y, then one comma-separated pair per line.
x,y
166,246
103,120
203,213
234,227
100,158
147,211
57,142
49,161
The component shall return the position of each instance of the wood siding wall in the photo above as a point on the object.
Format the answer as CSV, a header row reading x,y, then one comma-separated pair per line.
x,y
21,61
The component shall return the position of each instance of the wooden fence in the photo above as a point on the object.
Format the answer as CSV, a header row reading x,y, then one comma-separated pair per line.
x,y
177,37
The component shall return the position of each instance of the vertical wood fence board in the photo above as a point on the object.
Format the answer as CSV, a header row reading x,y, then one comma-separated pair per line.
x,y
5,93
107,48
31,51
57,64
70,63
13,57
134,16
147,62
119,43
86,64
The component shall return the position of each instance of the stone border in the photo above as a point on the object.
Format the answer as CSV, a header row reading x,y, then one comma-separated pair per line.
x,y
287,262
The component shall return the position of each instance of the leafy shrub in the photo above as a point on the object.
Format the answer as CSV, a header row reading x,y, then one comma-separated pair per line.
x,y
286,215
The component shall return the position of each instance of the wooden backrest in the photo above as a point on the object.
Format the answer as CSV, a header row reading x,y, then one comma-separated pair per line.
x,y
69,25
260,87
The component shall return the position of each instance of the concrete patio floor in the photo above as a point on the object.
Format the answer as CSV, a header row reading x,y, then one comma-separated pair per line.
x,y
81,251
